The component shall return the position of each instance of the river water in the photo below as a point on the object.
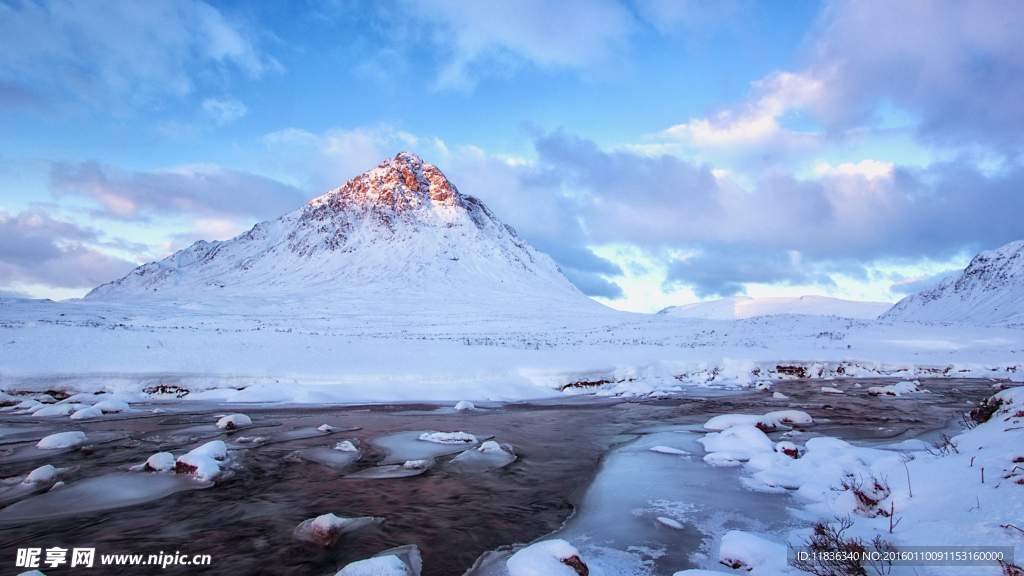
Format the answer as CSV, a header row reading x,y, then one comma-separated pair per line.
x,y
582,452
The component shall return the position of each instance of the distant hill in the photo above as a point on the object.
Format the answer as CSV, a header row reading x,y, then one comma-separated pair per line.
x,y
739,307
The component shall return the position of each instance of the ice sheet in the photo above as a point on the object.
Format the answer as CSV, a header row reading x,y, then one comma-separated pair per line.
x,y
110,491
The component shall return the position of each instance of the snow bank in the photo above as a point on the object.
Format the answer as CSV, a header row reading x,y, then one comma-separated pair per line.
x,y
62,440
233,421
448,437
547,558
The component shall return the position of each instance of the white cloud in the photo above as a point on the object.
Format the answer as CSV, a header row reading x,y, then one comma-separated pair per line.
x,y
755,123
870,169
224,111
114,53
551,34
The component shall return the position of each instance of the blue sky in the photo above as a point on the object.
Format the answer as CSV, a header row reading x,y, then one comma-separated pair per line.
x,y
661,151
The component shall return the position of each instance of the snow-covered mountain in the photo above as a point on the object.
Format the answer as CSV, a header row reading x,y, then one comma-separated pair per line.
x,y
399,232
740,307
990,291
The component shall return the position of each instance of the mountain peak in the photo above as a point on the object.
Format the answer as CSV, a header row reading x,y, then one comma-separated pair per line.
x,y
401,227
403,183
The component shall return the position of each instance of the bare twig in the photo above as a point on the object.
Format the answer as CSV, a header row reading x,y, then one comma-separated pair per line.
x,y
1011,526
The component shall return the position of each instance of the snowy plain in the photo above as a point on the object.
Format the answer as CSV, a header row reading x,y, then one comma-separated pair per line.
x,y
395,288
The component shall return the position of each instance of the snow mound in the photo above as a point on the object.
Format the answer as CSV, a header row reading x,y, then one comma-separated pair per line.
x,y
325,530
740,550
898,389
547,558
791,417
990,291
56,410
111,406
346,446
203,462
90,412
62,440
233,421
160,462
448,438
42,474
735,444
464,405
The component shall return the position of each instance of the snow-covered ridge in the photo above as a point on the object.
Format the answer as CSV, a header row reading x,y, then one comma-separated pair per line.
x,y
401,226
990,291
741,307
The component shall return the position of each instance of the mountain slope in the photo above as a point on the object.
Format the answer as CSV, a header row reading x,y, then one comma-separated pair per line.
x,y
740,307
399,232
990,291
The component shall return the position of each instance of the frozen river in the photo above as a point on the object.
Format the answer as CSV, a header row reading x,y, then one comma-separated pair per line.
x,y
637,510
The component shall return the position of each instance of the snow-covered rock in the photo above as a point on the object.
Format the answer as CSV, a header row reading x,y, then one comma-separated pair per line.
x,y
161,462
744,551
85,413
203,462
56,410
111,406
44,473
735,444
346,446
62,440
325,529
448,437
990,291
401,561
233,421
380,566
898,389
547,558
463,405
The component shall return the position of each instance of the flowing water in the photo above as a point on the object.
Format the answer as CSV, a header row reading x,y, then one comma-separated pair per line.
x,y
584,452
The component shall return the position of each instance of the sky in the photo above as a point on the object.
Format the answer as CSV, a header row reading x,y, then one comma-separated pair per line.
x,y
661,151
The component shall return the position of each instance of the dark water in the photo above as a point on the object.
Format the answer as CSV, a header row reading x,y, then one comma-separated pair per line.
x,y
245,522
